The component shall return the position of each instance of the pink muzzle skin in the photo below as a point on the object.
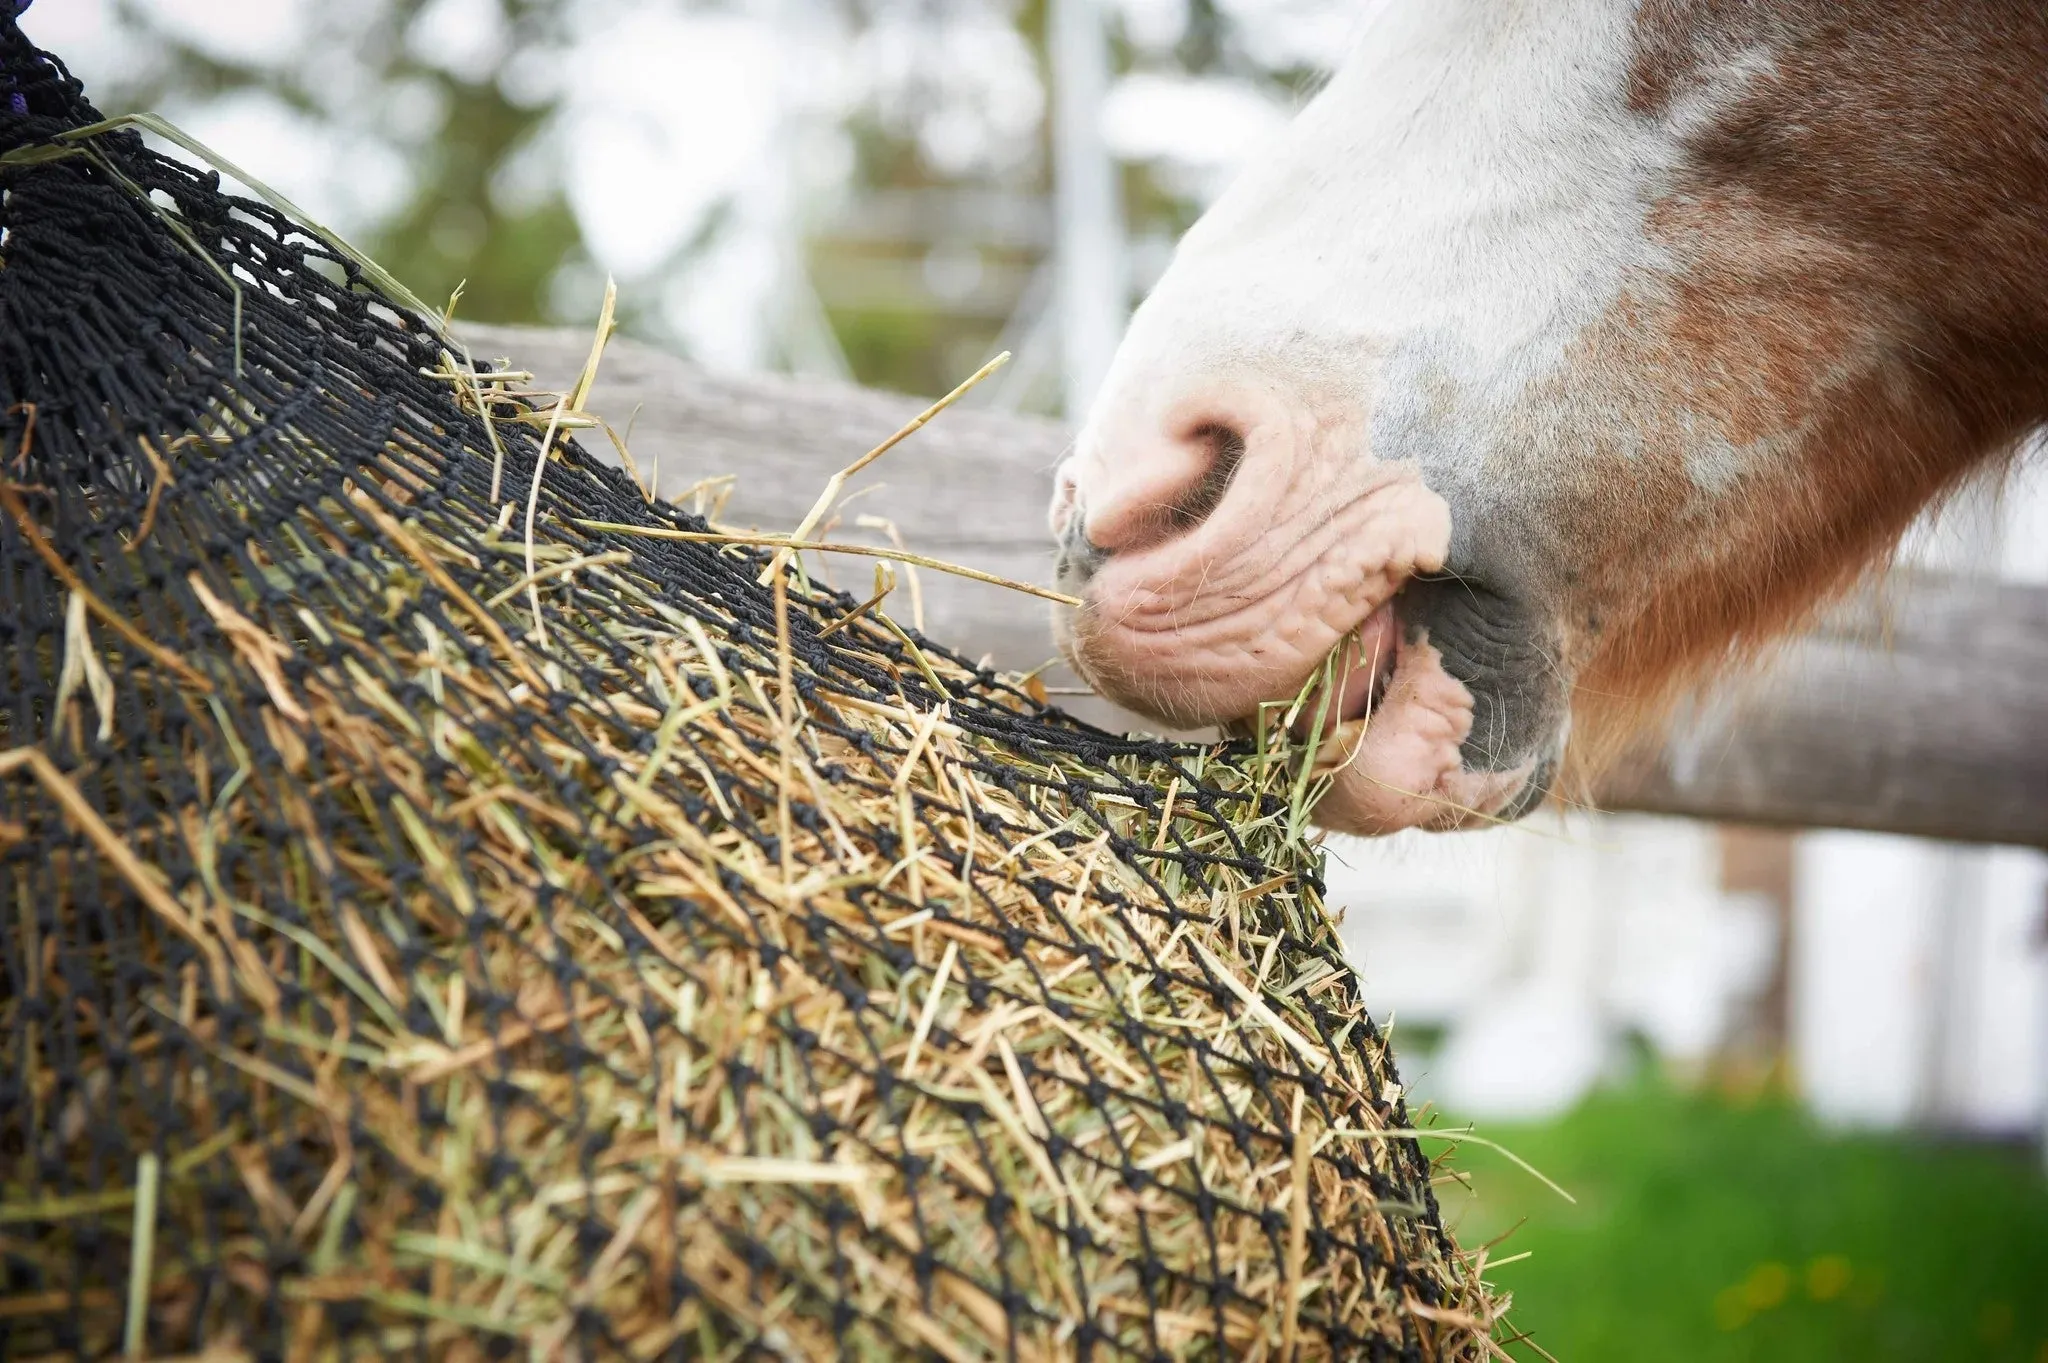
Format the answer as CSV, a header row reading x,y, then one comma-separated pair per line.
x,y
1203,626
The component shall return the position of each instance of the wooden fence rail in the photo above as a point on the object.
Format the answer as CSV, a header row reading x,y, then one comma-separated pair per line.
x,y
1919,707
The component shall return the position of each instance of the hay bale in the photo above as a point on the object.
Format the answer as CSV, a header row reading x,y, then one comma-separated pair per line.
x,y
435,919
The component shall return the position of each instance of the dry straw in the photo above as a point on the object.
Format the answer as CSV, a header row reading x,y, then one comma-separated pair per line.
x,y
591,949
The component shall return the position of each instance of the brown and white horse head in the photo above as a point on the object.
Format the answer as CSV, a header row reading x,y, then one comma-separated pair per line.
x,y
1559,352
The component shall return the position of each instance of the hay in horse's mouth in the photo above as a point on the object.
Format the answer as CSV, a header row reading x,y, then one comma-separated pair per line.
x,y
1379,648
1361,668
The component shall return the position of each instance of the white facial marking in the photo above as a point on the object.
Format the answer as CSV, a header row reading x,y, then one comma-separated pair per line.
x,y
1468,192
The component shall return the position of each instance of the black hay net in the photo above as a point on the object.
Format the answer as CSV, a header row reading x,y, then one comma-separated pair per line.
x,y
432,923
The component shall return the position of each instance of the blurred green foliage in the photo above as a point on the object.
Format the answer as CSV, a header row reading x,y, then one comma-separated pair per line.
x,y
453,230
456,232
1715,1230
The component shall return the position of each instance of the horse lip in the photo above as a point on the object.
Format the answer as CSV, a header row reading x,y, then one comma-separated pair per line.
x,y
1244,562
1372,646
1220,632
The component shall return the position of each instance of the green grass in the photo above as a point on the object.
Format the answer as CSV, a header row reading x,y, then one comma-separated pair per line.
x,y
1709,1229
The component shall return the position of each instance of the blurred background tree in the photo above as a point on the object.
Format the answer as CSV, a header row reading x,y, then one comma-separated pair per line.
x,y
421,135
848,187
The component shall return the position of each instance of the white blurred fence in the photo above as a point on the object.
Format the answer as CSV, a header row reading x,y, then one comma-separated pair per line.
x,y
1538,951
1920,984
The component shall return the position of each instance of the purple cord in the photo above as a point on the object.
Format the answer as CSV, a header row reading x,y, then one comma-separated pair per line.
x,y
17,103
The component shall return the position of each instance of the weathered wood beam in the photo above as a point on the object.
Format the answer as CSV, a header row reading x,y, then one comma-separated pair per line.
x,y
972,487
1920,707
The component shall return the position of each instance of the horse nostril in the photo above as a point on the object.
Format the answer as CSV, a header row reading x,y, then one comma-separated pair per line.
x,y
1139,492
1226,452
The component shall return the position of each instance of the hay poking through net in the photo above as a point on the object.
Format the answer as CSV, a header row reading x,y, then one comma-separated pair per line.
x,y
451,902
